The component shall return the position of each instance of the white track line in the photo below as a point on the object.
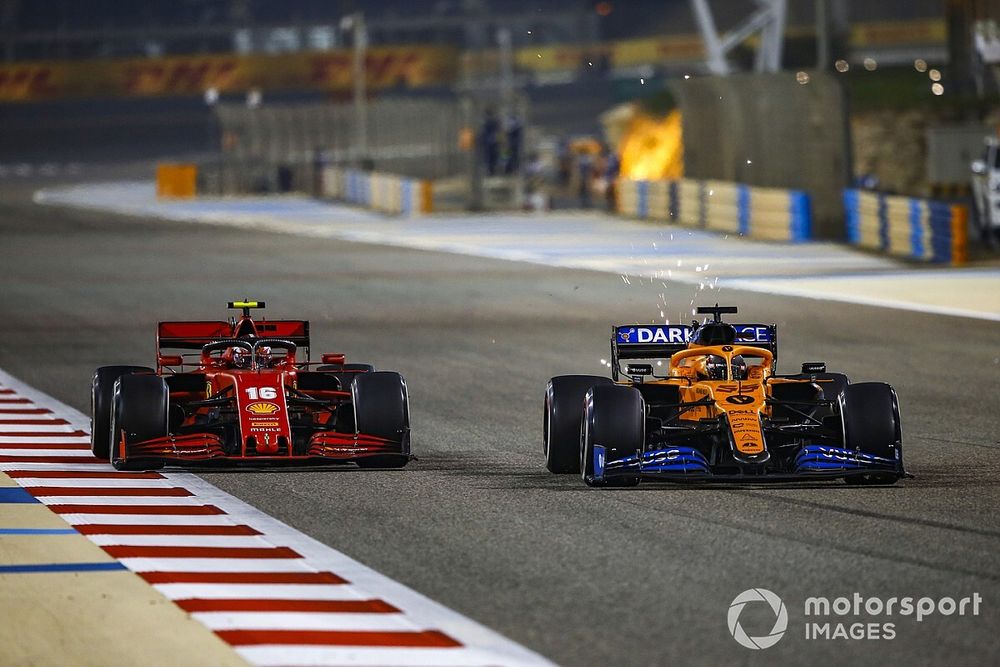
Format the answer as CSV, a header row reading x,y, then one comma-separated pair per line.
x,y
225,620
216,564
82,440
40,428
106,540
149,519
314,656
129,501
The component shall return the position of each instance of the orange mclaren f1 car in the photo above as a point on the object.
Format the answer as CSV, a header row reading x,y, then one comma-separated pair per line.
x,y
707,404
248,394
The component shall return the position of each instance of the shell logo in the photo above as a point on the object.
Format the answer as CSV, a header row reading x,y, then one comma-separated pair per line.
x,y
262,408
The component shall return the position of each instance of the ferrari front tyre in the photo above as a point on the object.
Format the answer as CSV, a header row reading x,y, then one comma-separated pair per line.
x,y
871,425
381,409
140,412
101,401
561,420
614,418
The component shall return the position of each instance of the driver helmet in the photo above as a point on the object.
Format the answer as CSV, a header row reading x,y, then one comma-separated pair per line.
x,y
715,368
241,357
264,358
739,367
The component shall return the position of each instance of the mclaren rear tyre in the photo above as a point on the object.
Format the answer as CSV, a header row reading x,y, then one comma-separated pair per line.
x,y
140,412
561,420
615,418
871,424
832,384
101,401
381,408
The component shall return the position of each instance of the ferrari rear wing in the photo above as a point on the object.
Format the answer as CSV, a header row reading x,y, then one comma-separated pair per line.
x,y
193,335
661,341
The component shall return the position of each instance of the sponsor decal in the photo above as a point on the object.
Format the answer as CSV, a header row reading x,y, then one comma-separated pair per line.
x,y
745,425
263,408
752,333
667,334
680,334
740,399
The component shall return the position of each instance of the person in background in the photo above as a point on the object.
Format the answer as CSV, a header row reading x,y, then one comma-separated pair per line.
x,y
564,159
515,129
489,140
585,167
612,167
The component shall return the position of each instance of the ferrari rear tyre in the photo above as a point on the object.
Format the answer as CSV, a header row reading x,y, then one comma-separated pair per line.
x,y
101,401
141,411
615,418
871,424
346,373
561,420
381,408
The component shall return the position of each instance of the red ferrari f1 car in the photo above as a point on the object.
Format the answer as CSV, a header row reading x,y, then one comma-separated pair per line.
x,y
246,396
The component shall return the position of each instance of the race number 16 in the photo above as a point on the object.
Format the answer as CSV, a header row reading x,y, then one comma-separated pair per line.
x,y
266,393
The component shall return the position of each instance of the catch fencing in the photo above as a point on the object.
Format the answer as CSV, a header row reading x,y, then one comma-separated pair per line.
x,y
918,229
283,147
770,214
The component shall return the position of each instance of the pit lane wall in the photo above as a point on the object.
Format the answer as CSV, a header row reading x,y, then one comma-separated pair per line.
x,y
918,229
387,193
769,214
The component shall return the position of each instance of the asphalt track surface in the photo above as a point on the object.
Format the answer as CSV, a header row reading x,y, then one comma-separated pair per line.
x,y
583,576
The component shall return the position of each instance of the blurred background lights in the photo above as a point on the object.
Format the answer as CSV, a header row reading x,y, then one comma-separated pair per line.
x,y
937,89
870,64
802,77
842,65
935,75
920,65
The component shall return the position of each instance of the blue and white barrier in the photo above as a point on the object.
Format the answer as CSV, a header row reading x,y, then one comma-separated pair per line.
x,y
920,229
387,193
772,214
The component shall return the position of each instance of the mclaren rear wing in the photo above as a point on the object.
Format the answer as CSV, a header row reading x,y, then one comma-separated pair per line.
x,y
661,341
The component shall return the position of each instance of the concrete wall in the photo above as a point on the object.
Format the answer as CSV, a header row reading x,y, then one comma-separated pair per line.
x,y
769,130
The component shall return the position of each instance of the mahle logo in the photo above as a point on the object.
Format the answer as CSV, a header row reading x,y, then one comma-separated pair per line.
x,y
780,618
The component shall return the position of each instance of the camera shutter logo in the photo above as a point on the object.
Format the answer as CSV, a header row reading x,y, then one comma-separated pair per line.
x,y
780,620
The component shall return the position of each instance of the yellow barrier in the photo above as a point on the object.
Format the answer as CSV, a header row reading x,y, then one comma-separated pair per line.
x,y
176,180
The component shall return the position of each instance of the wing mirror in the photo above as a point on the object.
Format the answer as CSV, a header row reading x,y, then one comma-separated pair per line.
x,y
813,367
170,360
639,369
334,359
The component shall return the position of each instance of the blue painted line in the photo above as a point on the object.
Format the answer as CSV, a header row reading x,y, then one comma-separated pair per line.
x,y
38,531
61,567
15,494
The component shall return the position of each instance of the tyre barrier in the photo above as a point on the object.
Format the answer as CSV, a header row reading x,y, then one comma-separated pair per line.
x,y
379,191
770,214
919,229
